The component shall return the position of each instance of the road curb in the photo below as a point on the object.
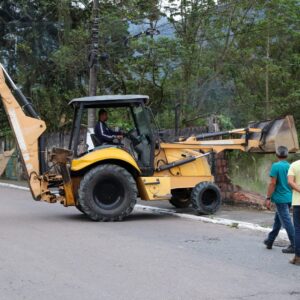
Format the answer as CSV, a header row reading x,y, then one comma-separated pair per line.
x,y
214,220
14,186
211,219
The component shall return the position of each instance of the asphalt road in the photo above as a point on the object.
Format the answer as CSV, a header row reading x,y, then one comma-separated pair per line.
x,y
51,252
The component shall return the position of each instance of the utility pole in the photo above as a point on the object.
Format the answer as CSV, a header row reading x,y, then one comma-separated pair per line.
x,y
177,118
93,61
267,77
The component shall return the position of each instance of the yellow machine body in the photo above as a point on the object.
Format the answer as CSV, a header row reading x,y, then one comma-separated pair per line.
x,y
101,155
160,185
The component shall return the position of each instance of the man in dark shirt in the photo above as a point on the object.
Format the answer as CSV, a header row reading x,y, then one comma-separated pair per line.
x,y
103,133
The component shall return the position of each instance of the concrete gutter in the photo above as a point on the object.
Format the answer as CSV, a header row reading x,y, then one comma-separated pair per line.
x,y
208,219
14,186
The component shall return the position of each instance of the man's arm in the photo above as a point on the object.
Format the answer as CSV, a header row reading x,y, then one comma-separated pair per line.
x,y
293,184
102,134
271,189
117,134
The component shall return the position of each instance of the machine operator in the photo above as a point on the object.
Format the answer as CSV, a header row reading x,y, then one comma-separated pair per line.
x,y
104,134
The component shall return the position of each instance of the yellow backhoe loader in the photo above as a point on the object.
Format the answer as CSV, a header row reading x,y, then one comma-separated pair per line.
x,y
104,182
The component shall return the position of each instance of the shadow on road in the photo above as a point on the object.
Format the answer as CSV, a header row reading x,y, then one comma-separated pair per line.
x,y
136,216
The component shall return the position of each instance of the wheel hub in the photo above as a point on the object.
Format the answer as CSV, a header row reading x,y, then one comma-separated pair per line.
x,y
108,193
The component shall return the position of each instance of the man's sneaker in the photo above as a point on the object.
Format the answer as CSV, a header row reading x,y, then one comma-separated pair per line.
x,y
268,244
295,260
289,250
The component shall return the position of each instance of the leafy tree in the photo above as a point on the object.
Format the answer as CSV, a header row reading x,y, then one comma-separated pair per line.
x,y
238,59
205,31
264,64
48,48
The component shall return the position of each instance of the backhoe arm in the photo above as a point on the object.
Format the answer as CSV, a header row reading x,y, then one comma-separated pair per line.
x,y
27,130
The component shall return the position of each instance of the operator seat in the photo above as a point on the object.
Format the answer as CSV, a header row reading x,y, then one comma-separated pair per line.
x,y
95,140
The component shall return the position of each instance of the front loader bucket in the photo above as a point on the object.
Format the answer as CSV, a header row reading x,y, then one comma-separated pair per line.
x,y
4,158
278,132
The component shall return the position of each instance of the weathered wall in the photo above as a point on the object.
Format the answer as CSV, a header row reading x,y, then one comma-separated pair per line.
x,y
247,194
222,178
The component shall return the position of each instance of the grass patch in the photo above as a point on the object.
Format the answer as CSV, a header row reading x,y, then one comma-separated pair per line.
x,y
248,184
250,170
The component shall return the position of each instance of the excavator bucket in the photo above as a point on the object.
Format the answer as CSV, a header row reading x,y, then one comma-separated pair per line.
x,y
277,132
4,158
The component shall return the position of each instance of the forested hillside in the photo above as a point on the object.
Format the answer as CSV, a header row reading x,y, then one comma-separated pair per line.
x,y
237,59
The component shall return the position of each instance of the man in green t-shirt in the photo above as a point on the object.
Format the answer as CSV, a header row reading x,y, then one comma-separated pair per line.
x,y
280,193
294,182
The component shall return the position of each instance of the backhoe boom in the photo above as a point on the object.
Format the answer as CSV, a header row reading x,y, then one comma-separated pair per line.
x,y
27,130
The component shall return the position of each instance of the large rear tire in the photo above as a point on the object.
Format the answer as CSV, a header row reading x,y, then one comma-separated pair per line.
x,y
206,198
78,206
107,193
181,198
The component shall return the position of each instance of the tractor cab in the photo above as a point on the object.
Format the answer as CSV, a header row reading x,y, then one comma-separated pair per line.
x,y
128,115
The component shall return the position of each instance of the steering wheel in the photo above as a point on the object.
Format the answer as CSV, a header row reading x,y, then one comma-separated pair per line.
x,y
131,134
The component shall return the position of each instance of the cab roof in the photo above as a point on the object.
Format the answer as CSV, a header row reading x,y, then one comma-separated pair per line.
x,y
109,100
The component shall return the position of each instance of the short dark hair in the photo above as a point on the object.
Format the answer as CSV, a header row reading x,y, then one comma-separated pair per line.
x,y
101,112
282,152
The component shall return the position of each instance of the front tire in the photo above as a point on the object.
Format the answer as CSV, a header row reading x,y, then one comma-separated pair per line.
x,y
206,198
107,193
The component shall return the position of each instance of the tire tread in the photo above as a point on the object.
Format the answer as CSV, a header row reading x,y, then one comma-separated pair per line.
x,y
83,191
196,203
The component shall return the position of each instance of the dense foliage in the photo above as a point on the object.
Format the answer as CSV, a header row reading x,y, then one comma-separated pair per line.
x,y
236,59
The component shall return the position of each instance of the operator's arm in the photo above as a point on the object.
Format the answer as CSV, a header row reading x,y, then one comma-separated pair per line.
x,y
117,134
271,189
103,134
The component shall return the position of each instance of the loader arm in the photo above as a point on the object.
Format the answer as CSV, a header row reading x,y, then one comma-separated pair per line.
x,y
27,131
204,142
242,143
259,137
263,137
